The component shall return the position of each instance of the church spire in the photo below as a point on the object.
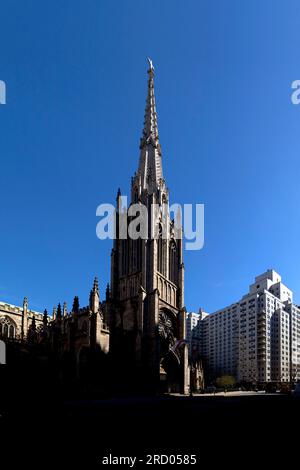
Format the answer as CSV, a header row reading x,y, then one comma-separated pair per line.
x,y
150,165
95,297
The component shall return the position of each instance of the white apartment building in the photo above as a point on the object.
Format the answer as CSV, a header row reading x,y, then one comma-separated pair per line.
x,y
256,339
192,319
294,314
194,330
219,342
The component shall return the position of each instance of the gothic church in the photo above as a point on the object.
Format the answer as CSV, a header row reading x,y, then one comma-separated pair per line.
x,y
140,326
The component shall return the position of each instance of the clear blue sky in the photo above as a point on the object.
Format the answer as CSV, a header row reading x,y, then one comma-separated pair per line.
x,y
69,135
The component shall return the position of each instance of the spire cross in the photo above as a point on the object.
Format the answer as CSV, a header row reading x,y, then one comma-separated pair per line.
x,y
151,68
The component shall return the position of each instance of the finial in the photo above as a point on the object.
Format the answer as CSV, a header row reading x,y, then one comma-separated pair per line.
x,y
151,68
107,291
65,311
58,312
75,308
45,317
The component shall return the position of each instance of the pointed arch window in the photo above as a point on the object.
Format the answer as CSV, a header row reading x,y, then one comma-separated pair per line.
x,y
161,251
139,253
84,327
8,327
173,262
135,197
124,245
11,331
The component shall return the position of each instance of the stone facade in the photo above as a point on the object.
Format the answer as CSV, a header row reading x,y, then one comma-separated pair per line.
x,y
146,304
77,334
67,334
15,321
141,325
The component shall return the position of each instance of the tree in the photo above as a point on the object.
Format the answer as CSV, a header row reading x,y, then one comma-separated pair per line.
x,y
225,381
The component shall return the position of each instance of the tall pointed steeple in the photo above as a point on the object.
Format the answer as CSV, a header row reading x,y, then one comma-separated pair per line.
x,y
150,164
147,275
45,318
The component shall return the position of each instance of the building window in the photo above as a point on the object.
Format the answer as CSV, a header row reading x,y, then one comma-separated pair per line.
x,y
124,244
11,331
173,262
7,327
161,252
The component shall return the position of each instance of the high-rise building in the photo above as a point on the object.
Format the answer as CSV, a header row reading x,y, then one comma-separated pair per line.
x,y
256,339
191,323
194,331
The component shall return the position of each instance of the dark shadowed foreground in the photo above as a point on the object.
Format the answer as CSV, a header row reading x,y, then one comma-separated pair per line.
x,y
254,430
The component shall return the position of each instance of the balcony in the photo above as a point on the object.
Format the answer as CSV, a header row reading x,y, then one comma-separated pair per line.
x,y
261,316
261,341
261,356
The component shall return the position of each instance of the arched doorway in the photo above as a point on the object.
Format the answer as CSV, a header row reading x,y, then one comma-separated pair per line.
x,y
170,356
